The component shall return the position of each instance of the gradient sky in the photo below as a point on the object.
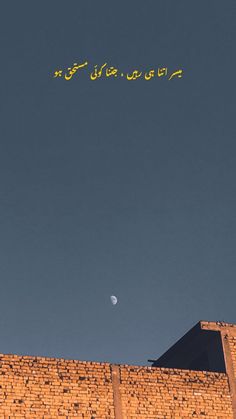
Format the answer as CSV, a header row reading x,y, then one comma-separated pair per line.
x,y
112,186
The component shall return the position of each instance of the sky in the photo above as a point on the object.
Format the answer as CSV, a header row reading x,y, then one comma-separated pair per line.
x,y
114,186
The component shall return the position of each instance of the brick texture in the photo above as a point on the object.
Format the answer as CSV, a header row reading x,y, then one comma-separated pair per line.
x,y
35,387
169,393
39,387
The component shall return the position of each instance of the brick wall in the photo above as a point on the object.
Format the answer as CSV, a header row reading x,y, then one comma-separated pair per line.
x,y
170,393
36,387
228,338
232,347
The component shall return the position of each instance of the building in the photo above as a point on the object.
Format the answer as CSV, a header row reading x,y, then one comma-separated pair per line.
x,y
195,378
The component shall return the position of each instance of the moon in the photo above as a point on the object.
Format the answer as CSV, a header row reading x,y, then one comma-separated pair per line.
x,y
113,299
